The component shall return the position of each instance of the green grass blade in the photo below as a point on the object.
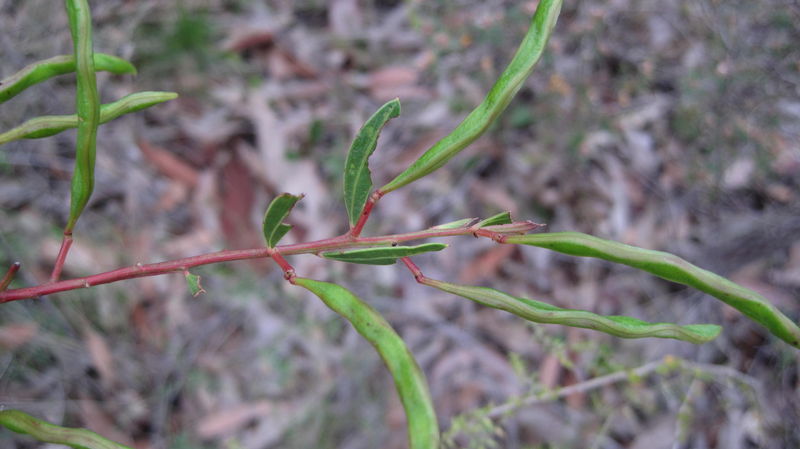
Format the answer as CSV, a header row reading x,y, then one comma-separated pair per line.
x,y
504,89
39,127
357,177
273,226
672,268
58,65
409,380
383,255
88,107
43,431
541,312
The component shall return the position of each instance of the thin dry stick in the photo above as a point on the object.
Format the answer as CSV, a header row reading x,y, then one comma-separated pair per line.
x,y
619,376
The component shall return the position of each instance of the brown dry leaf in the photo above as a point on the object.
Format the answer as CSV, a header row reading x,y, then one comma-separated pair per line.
x,y
96,420
486,265
101,355
549,373
224,422
246,38
168,164
238,197
390,80
15,335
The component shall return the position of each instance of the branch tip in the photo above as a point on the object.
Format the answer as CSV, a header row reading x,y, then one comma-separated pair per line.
x,y
9,276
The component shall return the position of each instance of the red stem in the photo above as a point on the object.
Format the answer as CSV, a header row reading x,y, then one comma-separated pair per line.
x,y
418,276
66,244
355,231
179,265
12,270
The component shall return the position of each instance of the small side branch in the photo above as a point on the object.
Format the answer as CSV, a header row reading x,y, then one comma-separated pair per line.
x,y
288,269
9,276
355,231
66,244
414,269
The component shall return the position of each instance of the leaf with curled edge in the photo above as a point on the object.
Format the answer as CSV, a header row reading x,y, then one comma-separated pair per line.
x,y
384,255
273,226
541,312
357,177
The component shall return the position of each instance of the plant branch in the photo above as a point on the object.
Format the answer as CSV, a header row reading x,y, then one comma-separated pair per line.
x,y
179,265
355,231
66,244
9,276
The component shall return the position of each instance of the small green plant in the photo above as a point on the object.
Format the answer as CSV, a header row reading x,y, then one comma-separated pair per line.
x,y
360,199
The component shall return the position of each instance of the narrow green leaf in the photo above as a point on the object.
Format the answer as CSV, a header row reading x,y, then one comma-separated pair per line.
x,y
23,423
504,89
357,177
58,65
383,255
455,224
409,380
503,218
50,125
278,210
88,107
541,312
672,268
193,282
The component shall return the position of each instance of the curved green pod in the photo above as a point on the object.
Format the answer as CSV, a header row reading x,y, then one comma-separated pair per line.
x,y
43,431
51,125
504,89
87,102
58,65
423,429
541,312
671,268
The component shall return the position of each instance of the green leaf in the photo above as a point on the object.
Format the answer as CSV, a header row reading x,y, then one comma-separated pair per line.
x,y
193,282
357,177
672,268
541,312
23,423
278,210
383,255
464,222
49,125
503,218
409,380
504,89
58,65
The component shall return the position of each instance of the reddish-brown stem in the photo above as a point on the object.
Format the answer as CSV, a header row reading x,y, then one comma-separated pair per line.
x,y
355,231
288,270
66,244
9,276
414,269
179,265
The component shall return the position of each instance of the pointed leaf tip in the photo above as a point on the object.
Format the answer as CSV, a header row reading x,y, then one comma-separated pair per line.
x,y
273,226
357,176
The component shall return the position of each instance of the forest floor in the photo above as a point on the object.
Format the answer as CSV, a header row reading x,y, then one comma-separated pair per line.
x,y
667,125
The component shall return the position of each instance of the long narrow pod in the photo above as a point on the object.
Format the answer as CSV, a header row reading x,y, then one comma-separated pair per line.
x,y
671,268
423,428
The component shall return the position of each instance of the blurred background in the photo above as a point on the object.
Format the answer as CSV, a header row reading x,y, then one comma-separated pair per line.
x,y
668,125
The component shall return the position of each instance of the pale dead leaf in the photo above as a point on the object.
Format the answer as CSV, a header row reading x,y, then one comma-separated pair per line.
x,y
15,335
102,359
224,422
